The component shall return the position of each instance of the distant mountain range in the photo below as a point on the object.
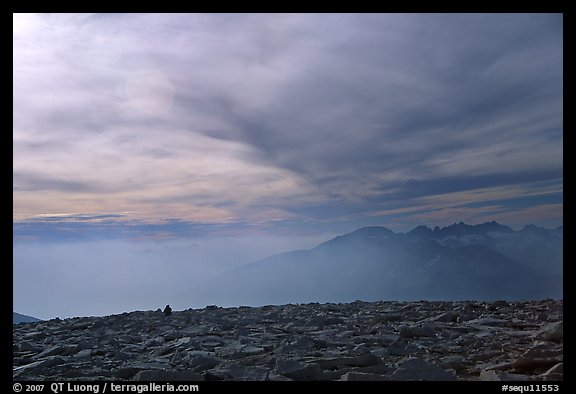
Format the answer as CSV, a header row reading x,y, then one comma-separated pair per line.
x,y
534,246
17,318
460,262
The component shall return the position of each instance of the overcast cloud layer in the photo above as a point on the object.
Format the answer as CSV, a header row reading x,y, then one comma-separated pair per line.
x,y
298,119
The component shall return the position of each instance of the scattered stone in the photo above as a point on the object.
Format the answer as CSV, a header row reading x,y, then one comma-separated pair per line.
x,y
418,369
496,305
38,366
553,332
554,373
248,350
167,376
455,362
446,317
242,373
28,347
296,370
200,363
230,351
357,341
416,331
498,376
272,377
487,321
363,377
363,360
52,351
126,373
538,357
129,370
183,342
302,343
399,348
486,355
86,353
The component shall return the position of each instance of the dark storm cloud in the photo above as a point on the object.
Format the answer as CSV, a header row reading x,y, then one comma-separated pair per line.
x,y
373,99
376,103
442,185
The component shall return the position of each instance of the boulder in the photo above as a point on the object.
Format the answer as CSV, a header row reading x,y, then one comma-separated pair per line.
x,y
363,377
243,373
446,317
418,369
199,362
52,351
363,360
456,362
250,350
416,331
554,373
28,347
499,376
86,353
128,370
296,370
487,321
164,376
538,357
37,367
553,332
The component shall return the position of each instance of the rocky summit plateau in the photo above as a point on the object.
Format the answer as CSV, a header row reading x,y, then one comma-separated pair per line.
x,y
380,341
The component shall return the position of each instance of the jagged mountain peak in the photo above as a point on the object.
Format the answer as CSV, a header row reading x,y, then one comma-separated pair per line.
x,y
458,230
461,228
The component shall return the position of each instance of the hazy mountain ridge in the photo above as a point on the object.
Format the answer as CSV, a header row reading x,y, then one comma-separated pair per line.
x,y
534,246
486,261
18,318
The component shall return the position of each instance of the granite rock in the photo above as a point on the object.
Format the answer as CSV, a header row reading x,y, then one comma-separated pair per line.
x,y
384,340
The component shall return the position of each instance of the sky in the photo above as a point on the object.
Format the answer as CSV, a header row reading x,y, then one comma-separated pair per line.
x,y
278,130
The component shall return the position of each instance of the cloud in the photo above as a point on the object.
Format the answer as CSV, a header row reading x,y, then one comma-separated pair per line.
x,y
548,214
34,182
75,218
231,118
